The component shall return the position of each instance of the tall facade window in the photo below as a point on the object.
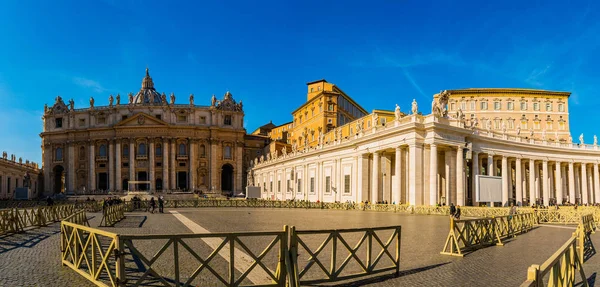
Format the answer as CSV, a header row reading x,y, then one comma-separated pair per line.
x,y
299,190
463,106
328,184
227,120
227,152
497,106
511,124
202,151
142,149
288,186
452,106
523,106
523,124
312,185
561,108
125,151
58,123
158,150
279,186
497,124
182,149
347,183
548,107
536,106
484,106
59,154
510,106
102,150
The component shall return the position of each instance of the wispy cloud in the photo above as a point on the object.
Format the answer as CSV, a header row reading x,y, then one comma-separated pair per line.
x,y
412,81
88,83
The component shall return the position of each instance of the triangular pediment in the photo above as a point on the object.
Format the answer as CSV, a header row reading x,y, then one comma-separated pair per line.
x,y
141,120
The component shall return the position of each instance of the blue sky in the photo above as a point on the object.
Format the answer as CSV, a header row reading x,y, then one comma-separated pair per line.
x,y
381,53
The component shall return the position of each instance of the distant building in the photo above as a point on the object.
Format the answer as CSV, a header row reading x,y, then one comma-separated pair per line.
x,y
14,174
145,138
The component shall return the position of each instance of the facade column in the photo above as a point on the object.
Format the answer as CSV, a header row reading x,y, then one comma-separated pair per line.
x,y
111,165
572,182
596,184
545,189
192,161
504,180
433,175
476,172
460,188
173,167
165,164
71,168
117,175
584,185
375,179
132,164
518,182
532,196
152,165
558,183
92,165
415,174
361,187
396,198
490,164
448,177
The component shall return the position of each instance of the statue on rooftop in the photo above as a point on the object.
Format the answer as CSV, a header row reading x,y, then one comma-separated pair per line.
x,y
415,107
130,98
191,99
213,100
595,140
71,104
91,102
581,139
172,98
397,112
110,100
118,99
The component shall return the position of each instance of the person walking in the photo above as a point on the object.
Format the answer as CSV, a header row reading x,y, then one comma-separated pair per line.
x,y
457,213
152,205
161,203
452,209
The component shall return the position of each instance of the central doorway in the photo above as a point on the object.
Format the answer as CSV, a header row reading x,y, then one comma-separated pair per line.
x,y
142,176
182,180
227,178
59,179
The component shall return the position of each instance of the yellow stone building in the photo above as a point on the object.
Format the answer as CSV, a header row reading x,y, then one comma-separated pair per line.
x,y
16,173
537,114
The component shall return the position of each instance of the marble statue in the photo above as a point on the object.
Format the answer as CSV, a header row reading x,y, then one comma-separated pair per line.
x,y
415,107
581,139
163,98
110,100
595,140
375,120
262,158
255,161
130,98
213,101
71,104
397,112
488,125
268,156
358,127
4,155
172,99
118,99
322,137
460,115
503,127
294,148
530,133
339,133
191,99
570,140
92,102
556,135
250,180
284,151
45,108
518,130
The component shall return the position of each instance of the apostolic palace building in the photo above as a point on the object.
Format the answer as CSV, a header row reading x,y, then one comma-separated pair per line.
x,y
333,150
144,141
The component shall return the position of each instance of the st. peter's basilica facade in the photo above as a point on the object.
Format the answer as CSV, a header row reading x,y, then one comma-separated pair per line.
x,y
144,141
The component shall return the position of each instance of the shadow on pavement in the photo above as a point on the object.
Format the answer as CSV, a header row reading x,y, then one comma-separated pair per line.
x,y
131,221
382,278
26,239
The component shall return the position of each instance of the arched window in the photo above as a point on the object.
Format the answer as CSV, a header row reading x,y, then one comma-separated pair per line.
x,y
102,150
125,151
59,154
182,149
142,149
158,149
202,151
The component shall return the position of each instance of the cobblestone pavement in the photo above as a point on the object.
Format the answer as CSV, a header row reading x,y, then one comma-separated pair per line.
x,y
33,258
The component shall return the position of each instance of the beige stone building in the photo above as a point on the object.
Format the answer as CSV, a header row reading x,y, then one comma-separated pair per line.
x,y
145,141
422,158
14,173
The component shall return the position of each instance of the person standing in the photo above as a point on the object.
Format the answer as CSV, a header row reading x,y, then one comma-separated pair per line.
x,y
452,209
161,203
457,213
152,205
512,211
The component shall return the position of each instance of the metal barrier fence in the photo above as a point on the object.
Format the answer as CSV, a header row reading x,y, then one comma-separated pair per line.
x,y
110,259
566,263
112,214
16,220
469,234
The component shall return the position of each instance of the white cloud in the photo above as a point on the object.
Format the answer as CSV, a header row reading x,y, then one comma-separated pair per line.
x,y
87,83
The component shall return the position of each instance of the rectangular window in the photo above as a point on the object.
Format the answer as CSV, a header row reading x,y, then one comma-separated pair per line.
x,y
548,107
312,185
536,125
227,152
511,124
202,120
452,106
299,190
181,118
227,120
58,123
472,105
524,125
347,183
271,186
463,106
327,184
158,117
536,106
483,106
561,108
523,106
288,186
561,126
123,118
279,186
549,125
101,120
330,107
497,124
497,106
510,106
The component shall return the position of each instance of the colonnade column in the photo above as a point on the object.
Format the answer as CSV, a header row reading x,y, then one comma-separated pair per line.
x,y
397,170
558,183
596,184
504,180
433,175
584,185
165,164
448,176
375,179
111,166
532,197
572,182
518,182
460,188
415,174
117,175
173,184
490,164
151,167
474,179
192,161
132,164
545,175
360,190
92,178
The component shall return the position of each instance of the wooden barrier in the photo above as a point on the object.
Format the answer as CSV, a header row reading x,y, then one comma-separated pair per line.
x,y
469,234
112,214
16,220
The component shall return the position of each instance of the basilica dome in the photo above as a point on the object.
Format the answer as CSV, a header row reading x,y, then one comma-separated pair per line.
x,y
147,94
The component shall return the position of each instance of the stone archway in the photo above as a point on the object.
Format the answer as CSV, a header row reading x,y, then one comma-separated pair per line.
x,y
227,178
59,179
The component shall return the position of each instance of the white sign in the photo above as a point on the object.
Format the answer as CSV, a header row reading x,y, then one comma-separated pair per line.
x,y
488,188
